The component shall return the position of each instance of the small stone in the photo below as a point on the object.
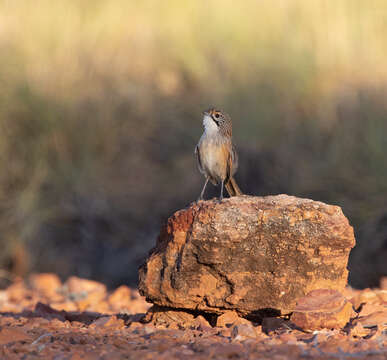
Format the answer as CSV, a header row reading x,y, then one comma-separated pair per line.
x,y
230,318
126,300
333,343
243,331
270,324
169,318
322,309
76,285
359,331
18,291
79,289
226,319
121,298
287,338
148,329
84,317
47,311
382,295
86,293
65,305
10,335
111,322
368,309
368,296
378,318
349,292
227,351
94,301
201,323
225,332
135,324
47,284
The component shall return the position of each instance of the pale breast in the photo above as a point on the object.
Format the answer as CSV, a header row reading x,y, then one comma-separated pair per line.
x,y
214,156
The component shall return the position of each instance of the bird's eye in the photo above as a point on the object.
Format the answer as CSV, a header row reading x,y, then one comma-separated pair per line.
x,y
217,115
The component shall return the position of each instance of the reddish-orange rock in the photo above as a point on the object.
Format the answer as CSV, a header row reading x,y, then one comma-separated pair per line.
x,y
270,324
111,322
322,309
121,296
167,318
383,283
368,309
77,286
18,291
46,284
359,331
66,306
368,296
378,318
11,335
201,323
230,318
86,293
247,253
243,332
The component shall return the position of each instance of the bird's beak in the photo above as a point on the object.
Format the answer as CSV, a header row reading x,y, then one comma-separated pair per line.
x,y
206,113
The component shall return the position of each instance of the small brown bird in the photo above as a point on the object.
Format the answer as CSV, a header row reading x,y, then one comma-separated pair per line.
x,y
217,158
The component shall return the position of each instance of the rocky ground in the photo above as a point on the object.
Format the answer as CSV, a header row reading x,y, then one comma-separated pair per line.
x,y
41,317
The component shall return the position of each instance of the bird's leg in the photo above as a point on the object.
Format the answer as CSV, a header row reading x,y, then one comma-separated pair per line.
x,y
204,188
221,191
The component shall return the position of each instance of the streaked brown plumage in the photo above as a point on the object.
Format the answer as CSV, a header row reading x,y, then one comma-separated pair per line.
x,y
216,155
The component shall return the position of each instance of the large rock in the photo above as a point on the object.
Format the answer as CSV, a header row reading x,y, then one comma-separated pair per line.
x,y
247,254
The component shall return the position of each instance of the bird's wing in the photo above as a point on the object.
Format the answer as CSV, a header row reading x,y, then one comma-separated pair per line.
x,y
197,152
234,158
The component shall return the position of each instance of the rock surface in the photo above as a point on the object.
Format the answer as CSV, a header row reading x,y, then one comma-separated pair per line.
x,y
230,318
247,253
322,309
32,330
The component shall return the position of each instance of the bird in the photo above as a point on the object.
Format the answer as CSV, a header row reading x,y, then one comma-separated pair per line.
x,y
215,153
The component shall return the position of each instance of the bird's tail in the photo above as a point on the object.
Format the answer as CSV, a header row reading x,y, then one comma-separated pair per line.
x,y
232,187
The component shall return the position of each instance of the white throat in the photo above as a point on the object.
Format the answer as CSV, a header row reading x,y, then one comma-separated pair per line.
x,y
210,127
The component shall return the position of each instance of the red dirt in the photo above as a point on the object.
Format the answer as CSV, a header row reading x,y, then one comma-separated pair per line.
x,y
43,318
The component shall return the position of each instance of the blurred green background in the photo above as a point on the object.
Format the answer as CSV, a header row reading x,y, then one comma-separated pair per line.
x,y
100,111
